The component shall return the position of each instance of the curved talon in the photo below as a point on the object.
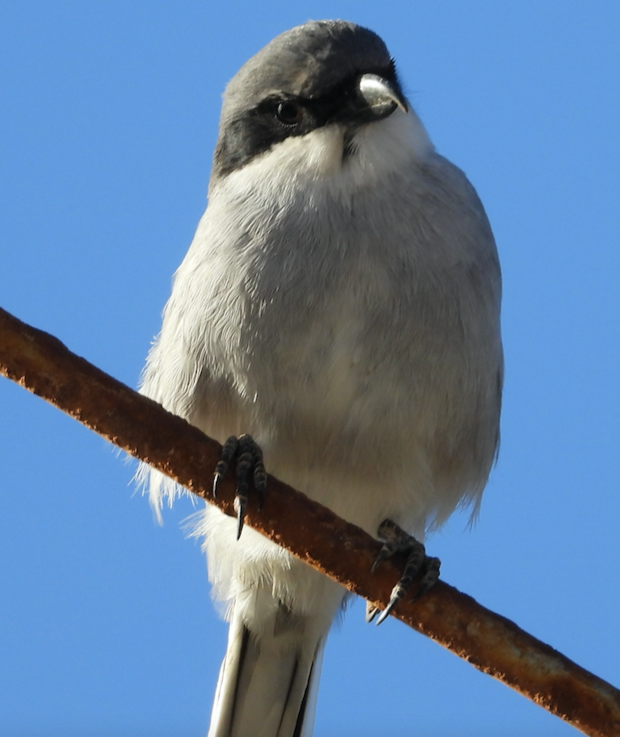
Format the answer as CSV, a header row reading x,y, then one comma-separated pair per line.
x,y
371,612
245,461
396,539
388,610
397,594
228,452
239,505
249,461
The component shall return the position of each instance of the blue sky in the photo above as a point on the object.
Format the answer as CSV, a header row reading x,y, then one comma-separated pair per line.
x,y
109,119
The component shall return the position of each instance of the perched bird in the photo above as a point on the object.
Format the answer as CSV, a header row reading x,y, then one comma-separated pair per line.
x,y
340,305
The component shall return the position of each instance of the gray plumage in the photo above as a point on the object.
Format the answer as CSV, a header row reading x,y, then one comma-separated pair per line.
x,y
340,302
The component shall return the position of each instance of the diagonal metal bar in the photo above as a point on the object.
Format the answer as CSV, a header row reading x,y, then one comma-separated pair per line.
x,y
493,644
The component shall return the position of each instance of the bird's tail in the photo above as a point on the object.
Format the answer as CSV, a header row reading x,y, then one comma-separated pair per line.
x,y
268,682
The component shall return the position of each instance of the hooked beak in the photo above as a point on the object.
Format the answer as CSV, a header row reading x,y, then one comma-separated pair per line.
x,y
381,96
371,98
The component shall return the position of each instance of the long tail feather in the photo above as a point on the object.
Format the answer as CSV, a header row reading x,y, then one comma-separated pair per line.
x,y
268,683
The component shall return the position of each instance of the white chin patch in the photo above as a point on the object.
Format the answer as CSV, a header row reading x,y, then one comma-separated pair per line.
x,y
387,145
317,154
373,151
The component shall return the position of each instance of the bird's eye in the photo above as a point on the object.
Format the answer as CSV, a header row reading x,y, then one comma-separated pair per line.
x,y
289,113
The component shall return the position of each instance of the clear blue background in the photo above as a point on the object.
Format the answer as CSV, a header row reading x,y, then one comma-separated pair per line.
x,y
109,116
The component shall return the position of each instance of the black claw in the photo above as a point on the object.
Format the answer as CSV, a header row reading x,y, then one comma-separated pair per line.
x,y
397,595
239,505
249,461
430,578
415,562
390,534
228,452
371,611
396,539
386,612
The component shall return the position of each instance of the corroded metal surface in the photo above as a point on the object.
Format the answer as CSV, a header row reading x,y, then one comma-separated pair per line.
x,y
141,427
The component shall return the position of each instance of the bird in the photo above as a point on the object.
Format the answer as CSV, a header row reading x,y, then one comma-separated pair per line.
x,y
336,321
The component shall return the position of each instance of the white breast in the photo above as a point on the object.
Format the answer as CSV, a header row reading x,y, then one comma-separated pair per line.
x,y
345,312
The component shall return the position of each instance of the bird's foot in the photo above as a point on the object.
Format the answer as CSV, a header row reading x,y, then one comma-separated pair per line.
x,y
249,461
396,539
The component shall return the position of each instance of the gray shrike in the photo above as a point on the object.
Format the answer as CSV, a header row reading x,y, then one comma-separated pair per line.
x,y
340,304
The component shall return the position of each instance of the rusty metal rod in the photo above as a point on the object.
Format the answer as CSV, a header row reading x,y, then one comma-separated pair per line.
x,y
493,644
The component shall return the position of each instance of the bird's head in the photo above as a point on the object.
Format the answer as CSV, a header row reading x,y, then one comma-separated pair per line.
x,y
310,96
